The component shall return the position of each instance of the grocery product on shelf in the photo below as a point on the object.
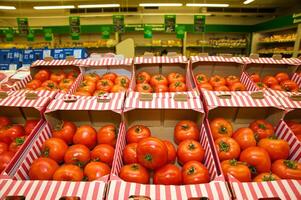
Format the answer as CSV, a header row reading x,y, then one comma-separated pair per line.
x,y
279,38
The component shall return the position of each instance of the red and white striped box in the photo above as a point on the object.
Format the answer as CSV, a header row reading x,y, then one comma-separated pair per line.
x,y
241,110
97,112
161,116
271,66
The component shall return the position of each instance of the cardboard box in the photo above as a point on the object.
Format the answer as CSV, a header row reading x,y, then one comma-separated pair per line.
x,y
161,116
93,112
241,111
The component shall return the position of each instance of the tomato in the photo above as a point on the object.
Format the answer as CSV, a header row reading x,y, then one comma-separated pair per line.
x,y
238,170
190,150
42,169
158,79
16,144
99,93
205,86
194,172
216,81
255,77
96,170
82,93
85,135
77,154
201,78
65,133
289,86
296,128
230,80
161,88
72,75
261,85
42,88
65,83
5,158
266,177
3,147
282,76
92,77
51,85
276,87
118,88
57,77
107,135
221,88
298,137
68,172
30,125
175,77
168,175
137,133
103,153
220,128
109,76
42,75
287,169
143,77
130,153
238,87
186,129
122,81
277,148
54,148
34,84
104,85
152,153
144,87
177,87
134,173
245,137
257,158
4,121
14,131
87,86
262,128
171,150
3,136
269,81
227,148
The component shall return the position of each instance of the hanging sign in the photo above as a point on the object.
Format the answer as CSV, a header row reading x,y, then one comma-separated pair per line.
x,y
23,26
48,34
180,31
105,32
199,23
148,31
118,22
74,22
170,23
9,34
30,36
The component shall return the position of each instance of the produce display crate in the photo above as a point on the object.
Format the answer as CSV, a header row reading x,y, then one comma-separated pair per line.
x,y
241,110
161,116
96,112
271,66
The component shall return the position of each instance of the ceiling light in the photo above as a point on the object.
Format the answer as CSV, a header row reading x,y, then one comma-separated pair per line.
x,y
160,4
99,6
206,5
248,1
7,8
53,7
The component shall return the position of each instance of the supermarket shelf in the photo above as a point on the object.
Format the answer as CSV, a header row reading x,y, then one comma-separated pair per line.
x,y
282,52
215,47
162,46
276,42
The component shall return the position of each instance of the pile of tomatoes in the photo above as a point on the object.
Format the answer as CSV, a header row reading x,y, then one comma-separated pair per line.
x,y
145,155
253,153
281,82
12,136
75,154
295,128
46,80
219,83
94,84
174,82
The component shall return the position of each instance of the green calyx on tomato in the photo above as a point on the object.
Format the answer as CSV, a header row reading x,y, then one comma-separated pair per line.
x,y
104,83
268,177
135,166
224,146
200,78
290,164
191,146
145,87
148,157
273,137
185,127
78,163
253,169
159,78
138,129
177,84
223,130
262,126
191,170
85,178
234,162
141,78
123,82
19,141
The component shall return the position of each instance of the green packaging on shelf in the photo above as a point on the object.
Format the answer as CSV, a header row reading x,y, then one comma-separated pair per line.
x,y
105,32
199,23
180,31
9,34
148,31
23,26
170,23
48,34
30,36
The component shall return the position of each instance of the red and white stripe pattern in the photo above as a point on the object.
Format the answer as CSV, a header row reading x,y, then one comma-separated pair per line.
x,y
106,62
21,84
246,80
281,93
288,103
195,59
42,93
160,60
283,61
56,63
17,101
190,94
297,78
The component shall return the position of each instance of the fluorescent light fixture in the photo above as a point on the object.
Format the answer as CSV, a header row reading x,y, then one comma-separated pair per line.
x,y
99,6
206,5
160,4
53,7
248,1
7,8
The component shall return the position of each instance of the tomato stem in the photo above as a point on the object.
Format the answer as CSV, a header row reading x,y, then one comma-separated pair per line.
x,y
253,169
135,166
148,157
19,141
191,170
185,127
191,146
223,130
45,152
290,164
268,178
224,146
262,126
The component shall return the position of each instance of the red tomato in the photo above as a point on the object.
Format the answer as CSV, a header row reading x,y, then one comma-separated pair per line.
x,y
220,128
245,137
42,75
77,154
144,87
16,144
152,153
104,85
103,153
257,158
109,76
72,75
85,135
54,148
3,136
227,148
205,86
130,153
201,78
269,81
96,170
238,170
282,76
161,88
221,88
255,77
87,86
4,121
289,86
42,169
296,128
34,84
262,128
14,131
118,88
194,172
122,81
276,87
287,169
186,129
107,135
3,147
99,93
30,125
143,77
189,150
137,133
5,159
263,177
134,173
171,150
238,87
92,77
50,85
65,133
277,148
261,85
68,172
66,83
175,77
230,80
177,87
82,93
57,77
168,175
158,79
216,81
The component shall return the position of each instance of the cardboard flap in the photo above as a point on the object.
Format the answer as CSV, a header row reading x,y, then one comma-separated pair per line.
x,y
106,62
269,61
75,62
290,103
227,59
3,95
21,101
160,60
